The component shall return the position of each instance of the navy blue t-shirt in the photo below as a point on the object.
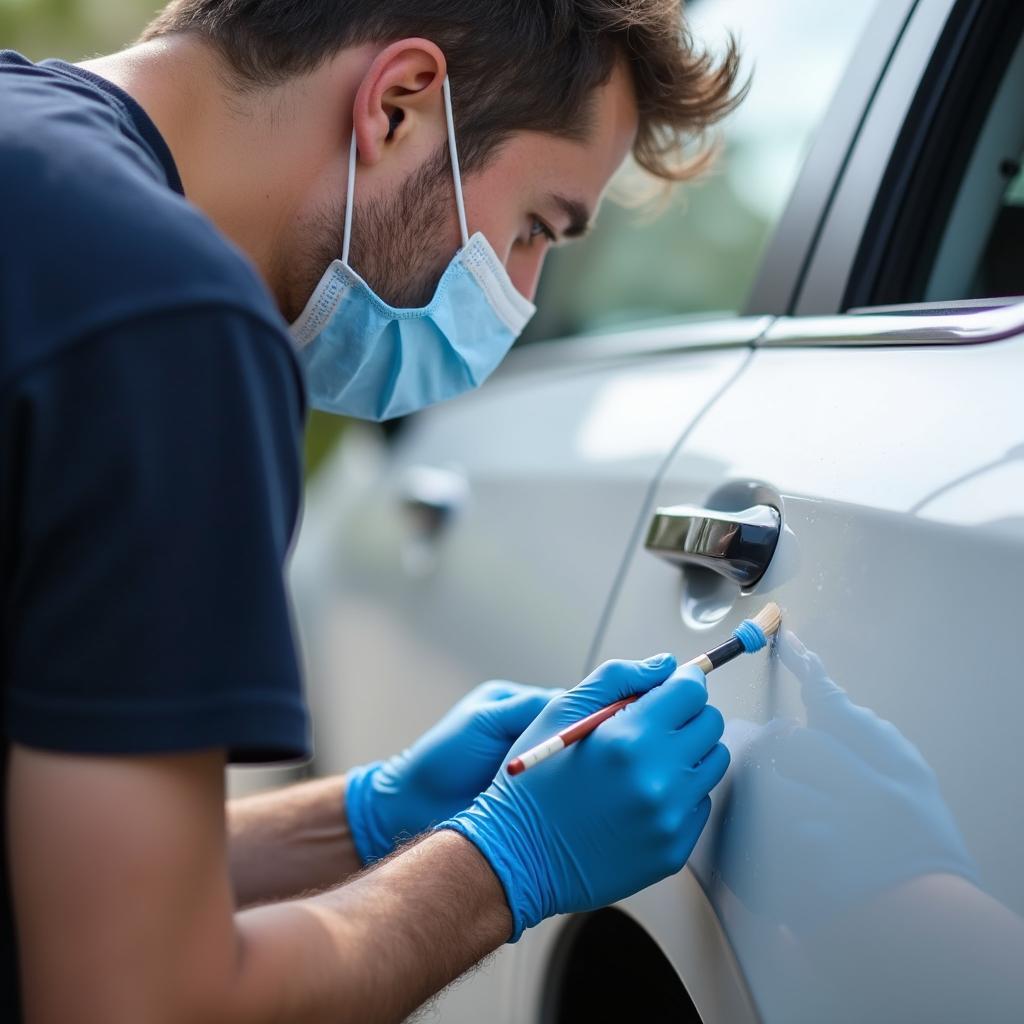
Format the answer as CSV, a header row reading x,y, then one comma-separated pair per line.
x,y
151,410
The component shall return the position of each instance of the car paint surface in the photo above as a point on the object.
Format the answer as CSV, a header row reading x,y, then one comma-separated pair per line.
x,y
900,476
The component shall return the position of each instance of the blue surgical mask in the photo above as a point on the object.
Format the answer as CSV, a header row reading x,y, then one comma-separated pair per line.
x,y
368,359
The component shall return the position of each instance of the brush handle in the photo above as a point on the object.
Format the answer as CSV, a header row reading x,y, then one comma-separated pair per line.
x,y
584,727
748,637
571,734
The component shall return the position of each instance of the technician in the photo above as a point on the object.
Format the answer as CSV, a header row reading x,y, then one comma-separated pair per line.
x,y
179,263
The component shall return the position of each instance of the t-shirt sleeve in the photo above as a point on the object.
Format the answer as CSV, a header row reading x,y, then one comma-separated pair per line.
x,y
158,473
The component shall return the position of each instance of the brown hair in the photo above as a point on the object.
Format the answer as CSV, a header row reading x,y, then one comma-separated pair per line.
x,y
516,65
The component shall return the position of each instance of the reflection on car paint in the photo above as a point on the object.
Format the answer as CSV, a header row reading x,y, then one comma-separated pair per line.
x,y
836,827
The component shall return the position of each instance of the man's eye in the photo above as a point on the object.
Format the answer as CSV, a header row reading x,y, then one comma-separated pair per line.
x,y
539,229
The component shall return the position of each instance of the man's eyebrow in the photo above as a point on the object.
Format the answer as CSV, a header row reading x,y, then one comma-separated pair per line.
x,y
577,212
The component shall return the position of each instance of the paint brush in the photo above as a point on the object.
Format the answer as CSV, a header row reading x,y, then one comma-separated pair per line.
x,y
747,638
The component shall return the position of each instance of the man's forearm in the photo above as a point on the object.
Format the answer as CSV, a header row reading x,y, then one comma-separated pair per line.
x,y
290,841
374,949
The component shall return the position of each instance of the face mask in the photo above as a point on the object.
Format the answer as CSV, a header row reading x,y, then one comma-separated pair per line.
x,y
367,359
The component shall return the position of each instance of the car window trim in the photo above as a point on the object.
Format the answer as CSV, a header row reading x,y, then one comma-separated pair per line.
x,y
970,326
692,334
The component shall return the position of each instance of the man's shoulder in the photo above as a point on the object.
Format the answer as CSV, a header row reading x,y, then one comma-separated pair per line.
x,y
97,237
98,249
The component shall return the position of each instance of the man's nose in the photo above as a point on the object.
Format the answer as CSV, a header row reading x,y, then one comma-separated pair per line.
x,y
525,274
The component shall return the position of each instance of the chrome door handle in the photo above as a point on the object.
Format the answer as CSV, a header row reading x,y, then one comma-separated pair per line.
x,y
737,545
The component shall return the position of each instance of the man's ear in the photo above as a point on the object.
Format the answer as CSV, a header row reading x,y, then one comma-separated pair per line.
x,y
400,91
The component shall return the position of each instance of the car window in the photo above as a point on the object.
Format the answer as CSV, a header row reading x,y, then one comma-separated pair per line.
x,y
702,252
981,253
947,226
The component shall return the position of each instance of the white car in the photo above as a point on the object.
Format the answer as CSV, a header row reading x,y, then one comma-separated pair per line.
x,y
850,444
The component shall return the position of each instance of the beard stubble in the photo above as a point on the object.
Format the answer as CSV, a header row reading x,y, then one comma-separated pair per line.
x,y
401,245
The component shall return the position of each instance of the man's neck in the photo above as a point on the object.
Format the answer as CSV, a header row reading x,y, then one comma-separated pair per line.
x,y
241,155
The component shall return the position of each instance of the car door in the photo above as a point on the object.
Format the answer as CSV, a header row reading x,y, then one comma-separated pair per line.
x,y
862,861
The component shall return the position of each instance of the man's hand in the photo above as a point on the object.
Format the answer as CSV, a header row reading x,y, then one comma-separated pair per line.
x,y
443,771
617,811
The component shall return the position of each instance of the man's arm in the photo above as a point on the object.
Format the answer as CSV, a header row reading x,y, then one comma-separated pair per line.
x,y
290,841
123,898
383,944
312,836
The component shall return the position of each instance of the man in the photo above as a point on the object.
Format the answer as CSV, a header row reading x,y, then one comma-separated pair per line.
x,y
169,211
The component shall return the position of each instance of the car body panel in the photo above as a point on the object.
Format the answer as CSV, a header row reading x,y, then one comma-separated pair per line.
x,y
679,917
900,569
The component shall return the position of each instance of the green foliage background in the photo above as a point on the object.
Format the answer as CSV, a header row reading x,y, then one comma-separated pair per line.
x,y
71,29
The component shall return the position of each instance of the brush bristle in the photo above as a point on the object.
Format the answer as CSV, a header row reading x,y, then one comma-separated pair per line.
x,y
769,618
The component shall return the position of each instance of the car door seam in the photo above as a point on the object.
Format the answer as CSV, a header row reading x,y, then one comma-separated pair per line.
x,y
650,495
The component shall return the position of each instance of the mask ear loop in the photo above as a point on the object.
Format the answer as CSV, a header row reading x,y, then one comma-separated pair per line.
x,y
349,198
453,150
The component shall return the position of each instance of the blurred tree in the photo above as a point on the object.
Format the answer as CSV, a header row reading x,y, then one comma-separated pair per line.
x,y
71,29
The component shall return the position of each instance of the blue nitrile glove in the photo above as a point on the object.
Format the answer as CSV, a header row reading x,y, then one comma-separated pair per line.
x,y
613,813
442,771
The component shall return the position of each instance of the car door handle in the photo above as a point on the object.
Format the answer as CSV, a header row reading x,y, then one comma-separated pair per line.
x,y
432,497
737,545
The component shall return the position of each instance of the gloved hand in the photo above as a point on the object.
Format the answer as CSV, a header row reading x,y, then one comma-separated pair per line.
x,y
442,771
612,814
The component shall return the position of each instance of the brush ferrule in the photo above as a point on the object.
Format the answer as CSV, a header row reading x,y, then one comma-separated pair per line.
x,y
751,635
